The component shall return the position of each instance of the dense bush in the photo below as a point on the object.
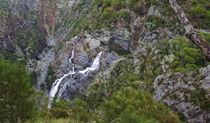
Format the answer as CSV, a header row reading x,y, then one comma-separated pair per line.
x,y
135,106
186,56
112,12
154,22
16,102
199,12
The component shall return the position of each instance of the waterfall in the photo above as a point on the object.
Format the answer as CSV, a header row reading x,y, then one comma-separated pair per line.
x,y
72,69
94,66
55,86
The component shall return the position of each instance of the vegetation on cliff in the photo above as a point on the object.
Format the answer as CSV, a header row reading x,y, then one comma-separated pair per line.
x,y
125,93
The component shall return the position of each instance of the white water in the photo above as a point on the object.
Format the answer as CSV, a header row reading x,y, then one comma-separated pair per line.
x,y
64,86
55,86
94,66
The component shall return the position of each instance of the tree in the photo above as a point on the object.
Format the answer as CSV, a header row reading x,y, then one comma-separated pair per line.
x,y
191,34
16,102
135,106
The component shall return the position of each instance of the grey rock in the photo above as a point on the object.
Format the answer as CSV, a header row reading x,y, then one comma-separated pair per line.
x,y
121,37
93,43
112,57
174,89
103,35
46,59
81,58
149,37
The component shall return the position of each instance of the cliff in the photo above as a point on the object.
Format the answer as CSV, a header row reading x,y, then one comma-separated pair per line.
x,y
143,43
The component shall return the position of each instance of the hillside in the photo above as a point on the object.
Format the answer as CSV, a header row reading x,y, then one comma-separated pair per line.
x,y
107,60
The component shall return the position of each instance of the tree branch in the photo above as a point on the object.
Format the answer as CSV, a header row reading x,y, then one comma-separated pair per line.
x,y
191,34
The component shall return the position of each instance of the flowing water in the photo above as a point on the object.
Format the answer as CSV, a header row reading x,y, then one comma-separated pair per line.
x,y
55,87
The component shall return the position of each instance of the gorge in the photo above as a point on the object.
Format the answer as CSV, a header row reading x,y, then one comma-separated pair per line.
x,y
107,60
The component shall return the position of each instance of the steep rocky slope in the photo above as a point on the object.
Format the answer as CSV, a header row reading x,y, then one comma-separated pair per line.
x,y
142,41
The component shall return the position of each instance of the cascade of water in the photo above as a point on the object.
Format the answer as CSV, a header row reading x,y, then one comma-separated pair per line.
x,y
70,60
56,85
61,91
64,86
94,66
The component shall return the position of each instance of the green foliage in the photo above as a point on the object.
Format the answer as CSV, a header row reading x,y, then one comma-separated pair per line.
x,y
41,112
78,22
123,14
154,22
117,4
76,109
79,110
107,3
31,40
16,103
123,74
111,12
135,106
60,109
186,56
154,2
50,78
109,16
136,6
150,67
8,55
198,11
198,97
205,36
33,77
106,13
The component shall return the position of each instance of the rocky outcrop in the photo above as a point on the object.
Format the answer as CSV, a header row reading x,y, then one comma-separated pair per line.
x,y
188,94
86,47
181,92
47,58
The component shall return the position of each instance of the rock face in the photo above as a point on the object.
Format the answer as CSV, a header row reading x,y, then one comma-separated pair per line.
x,y
86,48
121,37
175,89
24,35
205,83
183,92
46,59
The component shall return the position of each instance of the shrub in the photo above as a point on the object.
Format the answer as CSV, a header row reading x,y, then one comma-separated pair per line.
x,y
136,106
186,56
156,21
117,4
60,109
16,102
106,13
125,15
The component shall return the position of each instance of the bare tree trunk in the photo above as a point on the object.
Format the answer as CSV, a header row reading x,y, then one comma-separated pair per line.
x,y
191,34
